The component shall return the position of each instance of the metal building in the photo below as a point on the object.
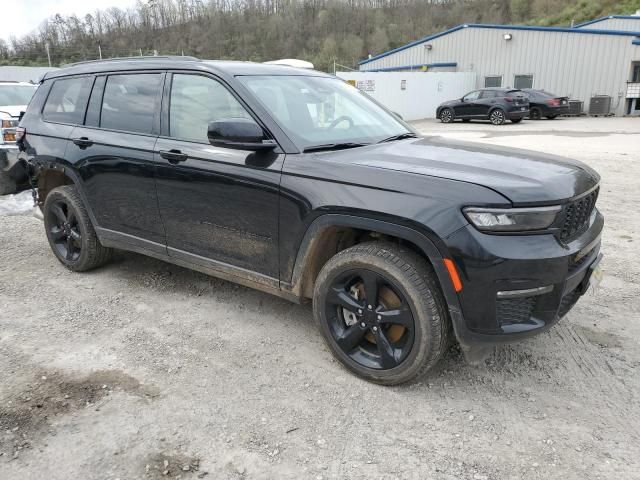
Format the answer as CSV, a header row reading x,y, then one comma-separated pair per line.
x,y
628,23
580,62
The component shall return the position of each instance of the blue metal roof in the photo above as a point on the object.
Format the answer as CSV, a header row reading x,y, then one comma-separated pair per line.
x,y
597,20
415,67
503,27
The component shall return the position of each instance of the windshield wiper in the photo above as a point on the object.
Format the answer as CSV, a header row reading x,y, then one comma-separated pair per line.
x,y
399,137
333,146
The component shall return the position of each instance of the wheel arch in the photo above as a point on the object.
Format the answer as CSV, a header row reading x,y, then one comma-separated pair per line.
x,y
55,175
323,235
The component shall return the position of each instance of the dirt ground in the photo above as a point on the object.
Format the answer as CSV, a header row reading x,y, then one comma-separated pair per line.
x,y
143,370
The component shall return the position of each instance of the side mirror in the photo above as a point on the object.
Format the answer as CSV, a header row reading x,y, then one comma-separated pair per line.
x,y
238,133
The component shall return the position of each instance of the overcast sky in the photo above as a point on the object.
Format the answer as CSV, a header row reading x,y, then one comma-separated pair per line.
x,y
22,16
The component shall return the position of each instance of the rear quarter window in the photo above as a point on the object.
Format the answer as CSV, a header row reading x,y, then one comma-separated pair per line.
x,y
67,100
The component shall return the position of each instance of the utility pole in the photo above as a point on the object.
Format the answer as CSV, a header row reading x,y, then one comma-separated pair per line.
x,y
334,67
46,45
100,51
140,52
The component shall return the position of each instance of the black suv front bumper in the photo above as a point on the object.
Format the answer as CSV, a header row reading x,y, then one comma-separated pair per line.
x,y
515,286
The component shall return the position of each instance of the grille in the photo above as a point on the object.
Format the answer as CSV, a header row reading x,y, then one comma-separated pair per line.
x,y
576,215
567,303
514,310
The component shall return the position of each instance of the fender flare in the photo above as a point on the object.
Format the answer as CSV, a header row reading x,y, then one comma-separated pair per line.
x,y
427,246
75,178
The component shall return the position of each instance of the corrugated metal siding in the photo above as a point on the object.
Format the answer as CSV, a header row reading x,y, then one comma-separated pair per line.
x,y
579,65
625,24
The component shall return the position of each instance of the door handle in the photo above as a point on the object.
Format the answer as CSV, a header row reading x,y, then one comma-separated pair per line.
x,y
82,142
173,156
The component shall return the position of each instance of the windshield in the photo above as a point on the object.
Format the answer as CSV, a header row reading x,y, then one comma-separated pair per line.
x,y
16,94
318,111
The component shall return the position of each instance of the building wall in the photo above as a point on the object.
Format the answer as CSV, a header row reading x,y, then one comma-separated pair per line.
x,y
626,24
578,65
422,92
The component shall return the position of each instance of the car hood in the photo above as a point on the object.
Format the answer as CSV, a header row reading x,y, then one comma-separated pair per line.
x,y
12,110
449,103
522,176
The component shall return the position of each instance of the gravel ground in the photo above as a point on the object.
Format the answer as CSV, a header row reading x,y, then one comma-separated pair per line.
x,y
143,370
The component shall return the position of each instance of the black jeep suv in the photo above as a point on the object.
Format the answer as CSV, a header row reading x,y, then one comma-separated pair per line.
x,y
294,182
494,104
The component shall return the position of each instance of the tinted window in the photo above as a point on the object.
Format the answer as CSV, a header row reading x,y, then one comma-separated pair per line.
x,y
469,97
196,101
129,102
489,94
67,100
541,95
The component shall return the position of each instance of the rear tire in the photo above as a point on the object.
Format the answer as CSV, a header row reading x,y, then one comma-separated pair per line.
x,y
7,184
497,116
446,115
71,235
535,113
406,330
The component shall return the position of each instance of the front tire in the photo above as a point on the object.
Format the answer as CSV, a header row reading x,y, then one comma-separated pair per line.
x,y
446,115
71,235
7,184
497,116
380,311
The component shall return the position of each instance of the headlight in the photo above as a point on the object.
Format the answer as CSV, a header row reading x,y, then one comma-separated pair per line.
x,y
8,130
511,219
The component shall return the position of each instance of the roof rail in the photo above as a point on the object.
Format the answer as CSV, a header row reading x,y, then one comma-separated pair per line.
x,y
145,57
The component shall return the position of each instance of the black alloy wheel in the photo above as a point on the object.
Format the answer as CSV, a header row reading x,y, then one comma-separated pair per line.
x,y
70,232
64,230
370,319
380,312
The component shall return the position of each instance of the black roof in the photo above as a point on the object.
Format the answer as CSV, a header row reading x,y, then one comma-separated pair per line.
x,y
501,89
223,67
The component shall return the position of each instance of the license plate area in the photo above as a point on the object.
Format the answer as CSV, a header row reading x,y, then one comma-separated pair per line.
x,y
593,277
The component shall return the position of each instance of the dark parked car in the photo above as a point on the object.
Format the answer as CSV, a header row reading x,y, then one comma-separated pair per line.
x,y
296,183
545,104
494,104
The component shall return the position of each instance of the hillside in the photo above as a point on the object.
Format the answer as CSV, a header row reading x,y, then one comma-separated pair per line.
x,y
321,31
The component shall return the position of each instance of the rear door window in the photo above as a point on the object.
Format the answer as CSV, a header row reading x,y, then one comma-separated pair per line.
x,y
67,100
129,102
